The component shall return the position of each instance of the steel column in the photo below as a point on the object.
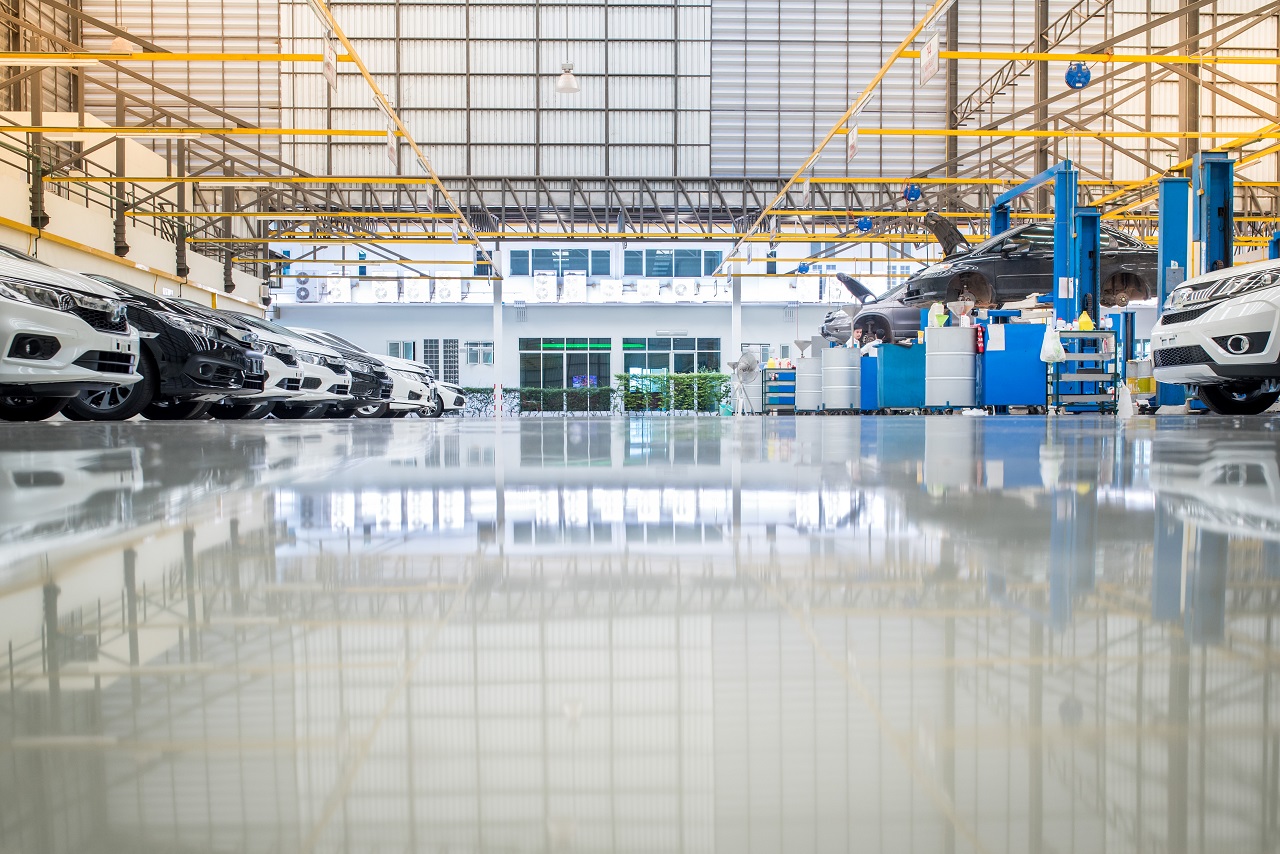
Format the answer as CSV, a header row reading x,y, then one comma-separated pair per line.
x,y
1174,244
1213,227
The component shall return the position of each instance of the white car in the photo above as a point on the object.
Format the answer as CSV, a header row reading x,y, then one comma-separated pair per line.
x,y
452,397
414,389
1219,335
60,334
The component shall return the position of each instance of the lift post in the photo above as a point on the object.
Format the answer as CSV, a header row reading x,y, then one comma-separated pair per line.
x,y
1213,228
1084,270
1273,248
1065,178
1173,244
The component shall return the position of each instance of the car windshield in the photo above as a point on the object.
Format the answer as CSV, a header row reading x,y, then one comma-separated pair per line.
x,y
21,256
261,324
329,336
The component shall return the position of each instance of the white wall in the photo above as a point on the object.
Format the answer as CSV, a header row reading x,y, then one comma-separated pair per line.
x,y
372,326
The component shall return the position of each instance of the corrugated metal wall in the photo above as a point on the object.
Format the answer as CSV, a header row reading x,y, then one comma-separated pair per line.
x,y
475,83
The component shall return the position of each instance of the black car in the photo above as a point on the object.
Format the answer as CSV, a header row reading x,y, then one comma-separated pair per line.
x,y
186,364
1006,268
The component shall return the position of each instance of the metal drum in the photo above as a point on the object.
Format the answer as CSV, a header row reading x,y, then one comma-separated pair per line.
x,y
841,378
808,385
951,366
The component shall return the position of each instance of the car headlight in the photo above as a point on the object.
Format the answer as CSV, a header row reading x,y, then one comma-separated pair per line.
x,y
1179,297
191,327
409,375
310,358
358,367
27,292
935,270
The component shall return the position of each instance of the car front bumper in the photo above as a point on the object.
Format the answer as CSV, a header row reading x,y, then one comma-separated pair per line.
x,y
74,357
1194,351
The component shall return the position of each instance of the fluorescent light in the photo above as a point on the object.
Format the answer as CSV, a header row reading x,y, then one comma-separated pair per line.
x,y
51,60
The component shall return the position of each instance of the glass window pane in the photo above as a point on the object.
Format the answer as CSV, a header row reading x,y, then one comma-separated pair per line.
x,y
688,262
530,344
709,362
659,361
552,343
600,262
601,344
633,262
632,343
599,368
574,260
706,344
576,343
576,370
530,370
520,262
683,344
659,343
544,261
633,360
683,363
710,260
658,263
553,370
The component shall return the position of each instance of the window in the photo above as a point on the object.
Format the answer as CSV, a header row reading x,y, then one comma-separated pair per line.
x,y
710,261
688,263
659,263
564,362
519,262
479,352
442,357
898,273
560,261
401,350
601,262
633,262
670,355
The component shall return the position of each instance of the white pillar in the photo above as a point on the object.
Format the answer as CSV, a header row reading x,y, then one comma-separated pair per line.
x,y
499,349
735,313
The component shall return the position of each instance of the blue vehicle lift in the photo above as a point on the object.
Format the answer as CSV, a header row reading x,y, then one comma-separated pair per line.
x,y
1197,231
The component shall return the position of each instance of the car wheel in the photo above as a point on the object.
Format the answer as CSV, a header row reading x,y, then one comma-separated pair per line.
x,y
1235,400
372,410
121,402
241,411
875,328
164,409
435,408
16,408
983,295
298,411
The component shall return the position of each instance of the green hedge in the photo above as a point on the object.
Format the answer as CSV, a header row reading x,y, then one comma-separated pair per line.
x,y
566,399
700,392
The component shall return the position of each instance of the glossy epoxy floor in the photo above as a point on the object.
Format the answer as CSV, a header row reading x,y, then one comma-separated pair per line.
x,y
647,635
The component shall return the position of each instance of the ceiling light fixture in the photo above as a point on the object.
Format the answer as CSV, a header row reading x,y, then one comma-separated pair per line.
x,y
120,44
566,83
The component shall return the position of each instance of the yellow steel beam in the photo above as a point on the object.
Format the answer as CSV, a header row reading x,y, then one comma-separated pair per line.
x,y
1139,58
10,57
322,9
297,214
533,235
247,180
330,240
369,262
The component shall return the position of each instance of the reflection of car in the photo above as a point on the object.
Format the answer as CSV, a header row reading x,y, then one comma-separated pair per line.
x,y
1220,335
186,364
1222,484
60,335
1006,268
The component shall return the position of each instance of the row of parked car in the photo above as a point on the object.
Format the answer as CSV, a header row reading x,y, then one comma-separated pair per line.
x,y
95,349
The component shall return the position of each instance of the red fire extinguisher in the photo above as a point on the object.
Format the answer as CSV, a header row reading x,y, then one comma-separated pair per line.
x,y
982,347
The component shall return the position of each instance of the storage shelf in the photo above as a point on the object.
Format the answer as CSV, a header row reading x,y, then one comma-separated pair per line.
x,y
1090,373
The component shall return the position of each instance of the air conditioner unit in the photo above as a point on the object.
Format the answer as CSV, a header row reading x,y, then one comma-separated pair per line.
x,y
684,290
417,290
717,290
517,289
611,290
575,287
807,288
667,293
448,286
545,287
306,293
648,290
336,288
386,290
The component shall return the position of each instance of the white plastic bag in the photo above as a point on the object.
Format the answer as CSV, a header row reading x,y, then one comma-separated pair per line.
x,y
1051,347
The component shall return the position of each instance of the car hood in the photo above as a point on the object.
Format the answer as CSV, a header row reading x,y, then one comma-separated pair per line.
x,y
948,236
39,274
860,291
399,364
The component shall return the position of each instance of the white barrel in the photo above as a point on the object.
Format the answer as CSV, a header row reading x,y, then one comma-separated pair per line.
x,y
841,378
951,366
808,385
755,394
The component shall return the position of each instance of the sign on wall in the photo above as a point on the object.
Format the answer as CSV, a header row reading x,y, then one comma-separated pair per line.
x,y
929,61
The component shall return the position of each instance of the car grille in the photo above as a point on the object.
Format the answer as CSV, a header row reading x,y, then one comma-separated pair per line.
x,y
290,384
1183,316
339,389
1175,356
101,320
105,362
255,382
311,383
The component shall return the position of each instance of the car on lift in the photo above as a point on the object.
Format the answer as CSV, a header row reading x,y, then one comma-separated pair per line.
x,y
60,335
412,386
1006,268
186,364
1219,336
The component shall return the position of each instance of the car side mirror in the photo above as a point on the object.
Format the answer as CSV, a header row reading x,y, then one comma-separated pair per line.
x,y
1012,246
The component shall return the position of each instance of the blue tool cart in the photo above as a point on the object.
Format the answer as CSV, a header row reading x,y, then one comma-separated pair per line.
x,y
1087,380
1012,373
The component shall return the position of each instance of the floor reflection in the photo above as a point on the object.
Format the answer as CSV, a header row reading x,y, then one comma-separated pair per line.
x,y
829,634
